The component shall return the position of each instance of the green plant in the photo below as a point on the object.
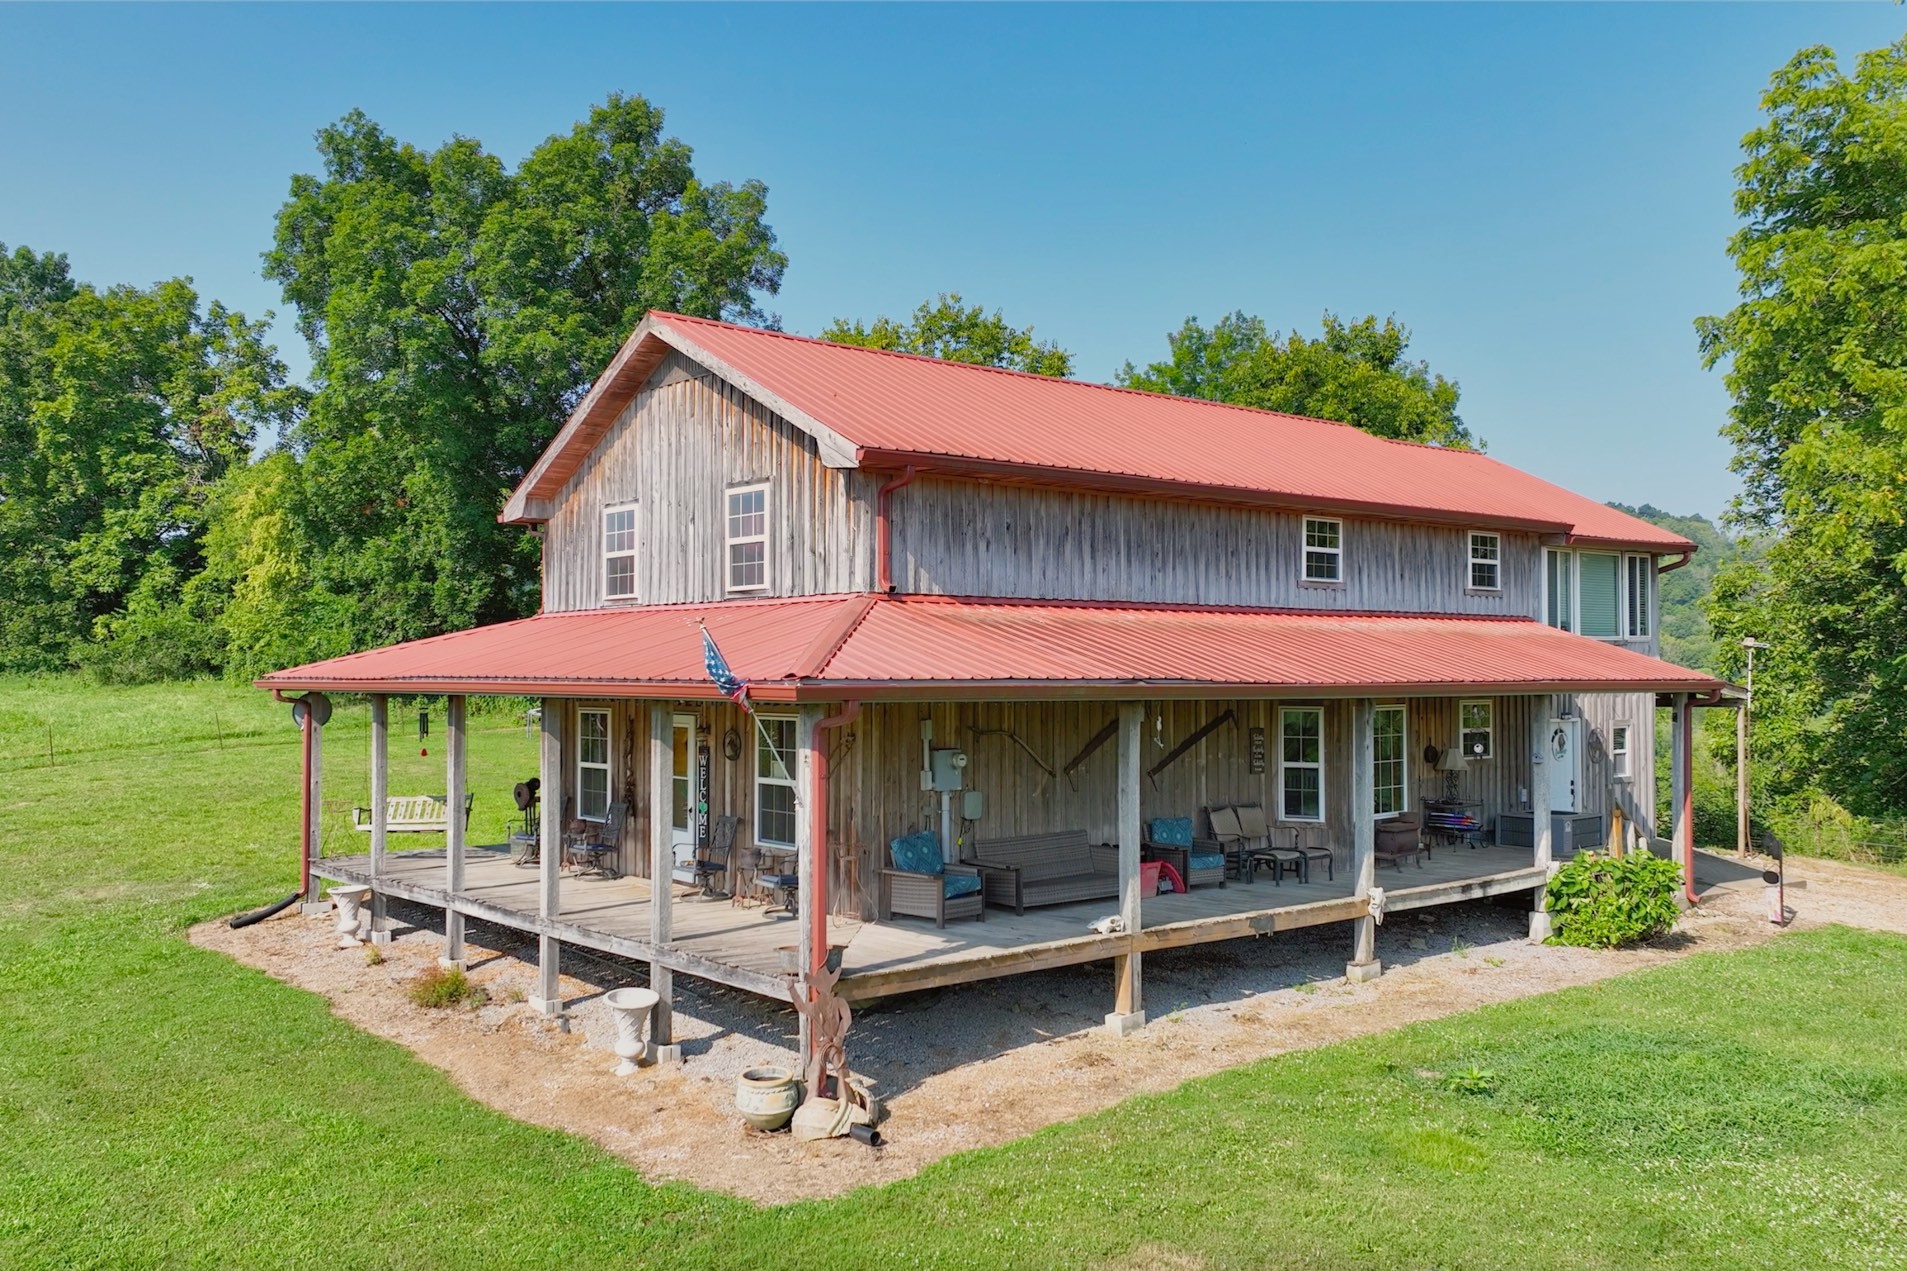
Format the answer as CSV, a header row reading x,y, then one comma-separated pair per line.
x,y
373,956
1471,1080
438,988
1603,902
1460,946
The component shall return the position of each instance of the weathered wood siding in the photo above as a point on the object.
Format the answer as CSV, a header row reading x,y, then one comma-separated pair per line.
x,y
674,451
1635,795
968,538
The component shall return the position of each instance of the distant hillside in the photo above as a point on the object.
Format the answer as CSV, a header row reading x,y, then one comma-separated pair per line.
x,y
1686,640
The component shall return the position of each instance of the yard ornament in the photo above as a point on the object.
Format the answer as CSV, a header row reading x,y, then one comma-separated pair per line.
x,y
837,1100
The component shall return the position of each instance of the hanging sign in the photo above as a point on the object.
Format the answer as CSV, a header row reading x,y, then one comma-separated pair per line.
x,y
702,794
1257,750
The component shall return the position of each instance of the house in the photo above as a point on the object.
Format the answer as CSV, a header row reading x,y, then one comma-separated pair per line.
x,y
995,605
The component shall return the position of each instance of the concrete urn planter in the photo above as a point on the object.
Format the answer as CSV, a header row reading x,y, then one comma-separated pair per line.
x,y
350,903
766,1097
629,1008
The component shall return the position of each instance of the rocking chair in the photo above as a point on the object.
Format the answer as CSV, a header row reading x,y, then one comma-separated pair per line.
x,y
711,862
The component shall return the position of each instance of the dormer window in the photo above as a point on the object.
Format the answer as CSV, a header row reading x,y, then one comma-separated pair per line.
x,y
619,551
748,538
1323,550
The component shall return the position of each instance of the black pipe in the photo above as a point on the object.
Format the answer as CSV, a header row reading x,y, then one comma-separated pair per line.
x,y
866,1134
259,915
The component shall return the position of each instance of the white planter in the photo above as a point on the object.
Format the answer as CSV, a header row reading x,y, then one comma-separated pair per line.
x,y
350,903
766,1097
629,1008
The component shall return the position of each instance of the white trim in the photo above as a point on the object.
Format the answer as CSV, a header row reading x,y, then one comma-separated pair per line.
x,y
1494,561
629,553
1403,762
762,741
1569,566
732,540
1632,561
607,766
1488,730
1285,712
1621,757
1335,554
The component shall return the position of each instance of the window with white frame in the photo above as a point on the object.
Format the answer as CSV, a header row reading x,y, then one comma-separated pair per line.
x,y
775,781
592,765
1619,752
1301,763
1638,586
1476,729
619,551
748,538
1323,550
1559,589
1486,562
1390,756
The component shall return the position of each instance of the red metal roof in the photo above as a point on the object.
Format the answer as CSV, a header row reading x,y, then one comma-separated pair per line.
x,y
895,408
899,648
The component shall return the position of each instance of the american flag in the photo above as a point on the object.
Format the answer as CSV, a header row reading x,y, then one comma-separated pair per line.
x,y
733,686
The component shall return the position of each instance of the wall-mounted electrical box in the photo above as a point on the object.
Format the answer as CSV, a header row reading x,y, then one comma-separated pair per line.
x,y
973,805
947,770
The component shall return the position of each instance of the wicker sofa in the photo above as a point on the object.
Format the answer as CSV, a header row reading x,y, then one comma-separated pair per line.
x,y
920,885
1057,868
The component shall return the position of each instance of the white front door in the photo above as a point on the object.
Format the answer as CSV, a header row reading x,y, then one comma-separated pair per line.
x,y
682,799
1565,765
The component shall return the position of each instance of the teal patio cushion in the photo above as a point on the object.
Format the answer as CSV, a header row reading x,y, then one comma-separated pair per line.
x,y
952,885
1172,831
918,853
1207,860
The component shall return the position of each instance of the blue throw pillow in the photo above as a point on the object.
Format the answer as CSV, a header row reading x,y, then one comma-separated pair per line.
x,y
917,853
1172,831
952,885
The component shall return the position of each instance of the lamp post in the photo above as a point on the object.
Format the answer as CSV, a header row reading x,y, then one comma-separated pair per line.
x,y
1741,749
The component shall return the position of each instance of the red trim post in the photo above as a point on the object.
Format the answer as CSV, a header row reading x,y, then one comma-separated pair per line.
x,y
1685,813
816,885
304,804
884,532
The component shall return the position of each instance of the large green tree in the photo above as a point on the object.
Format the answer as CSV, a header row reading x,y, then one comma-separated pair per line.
x,y
1356,373
947,327
121,411
456,311
1816,358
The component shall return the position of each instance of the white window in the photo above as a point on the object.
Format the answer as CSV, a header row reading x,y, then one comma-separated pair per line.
x,y
1390,752
748,538
775,781
1559,589
1323,550
1301,763
1476,726
592,765
1638,579
619,551
1619,752
1599,595
1486,562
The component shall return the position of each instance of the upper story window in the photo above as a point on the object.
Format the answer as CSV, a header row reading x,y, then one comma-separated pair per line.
x,y
1486,562
619,551
592,765
1638,584
1323,550
1476,729
748,538
1301,763
1559,589
1599,595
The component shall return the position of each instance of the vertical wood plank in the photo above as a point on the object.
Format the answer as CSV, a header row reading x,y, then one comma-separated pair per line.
x,y
661,766
380,810
454,828
549,902
1362,786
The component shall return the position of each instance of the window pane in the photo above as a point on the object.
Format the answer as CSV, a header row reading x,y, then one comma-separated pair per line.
x,y
619,530
1556,567
619,577
1474,721
1639,568
593,736
1321,567
594,796
747,513
1302,802
1388,775
1321,533
747,564
1302,730
1596,587
781,734
776,823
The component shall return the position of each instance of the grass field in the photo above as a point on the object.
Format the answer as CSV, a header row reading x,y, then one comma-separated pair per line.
x,y
160,1105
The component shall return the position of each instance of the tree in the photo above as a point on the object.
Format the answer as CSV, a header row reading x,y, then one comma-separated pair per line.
x,y
120,412
1356,374
946,328
1816,357
456,312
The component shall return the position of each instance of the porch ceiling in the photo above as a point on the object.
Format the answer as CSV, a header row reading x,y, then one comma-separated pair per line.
x,y
901,648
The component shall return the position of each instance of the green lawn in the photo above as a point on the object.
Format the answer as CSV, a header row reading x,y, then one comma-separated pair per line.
x,y
161,1105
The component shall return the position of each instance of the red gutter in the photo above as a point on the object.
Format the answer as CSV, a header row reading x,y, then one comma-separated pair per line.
x,y
1671,568
304,794
884,532
1685,814
816,884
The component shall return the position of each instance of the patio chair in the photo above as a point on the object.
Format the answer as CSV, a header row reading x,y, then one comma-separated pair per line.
x,y
711,862
1229,838
920,884
774,872
1261,851
596,844
1196,861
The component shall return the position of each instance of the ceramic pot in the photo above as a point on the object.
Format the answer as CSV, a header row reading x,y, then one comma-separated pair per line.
x,y
766,1097
629,1008
350,903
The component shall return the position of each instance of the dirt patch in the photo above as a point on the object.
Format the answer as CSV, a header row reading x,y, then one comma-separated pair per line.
x,y
969,1067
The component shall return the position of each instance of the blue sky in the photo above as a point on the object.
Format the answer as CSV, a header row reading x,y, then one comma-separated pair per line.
x,y
1542,193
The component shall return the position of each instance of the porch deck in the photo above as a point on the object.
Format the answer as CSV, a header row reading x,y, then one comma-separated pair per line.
x,y
739,946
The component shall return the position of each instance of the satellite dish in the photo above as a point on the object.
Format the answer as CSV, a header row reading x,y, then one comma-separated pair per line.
x,y
316,704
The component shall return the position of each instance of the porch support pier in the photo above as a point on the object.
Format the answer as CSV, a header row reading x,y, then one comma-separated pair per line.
x,y
454,782
549,902
662,1044
1542,826
380,812
1128,1009
1363,966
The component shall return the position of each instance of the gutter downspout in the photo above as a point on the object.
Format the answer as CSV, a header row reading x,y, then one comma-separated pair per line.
x,y
1684,559
1685,814
816,886
884,535
304,792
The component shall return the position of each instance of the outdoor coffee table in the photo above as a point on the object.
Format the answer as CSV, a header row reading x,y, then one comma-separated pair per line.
x,y
1280,860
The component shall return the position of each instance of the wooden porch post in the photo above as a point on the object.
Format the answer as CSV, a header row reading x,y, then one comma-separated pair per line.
x,y
662,1046
380,813
1363,965
549,951
454,782
1681,763
1128,1009
810,857
314,846
1542,827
